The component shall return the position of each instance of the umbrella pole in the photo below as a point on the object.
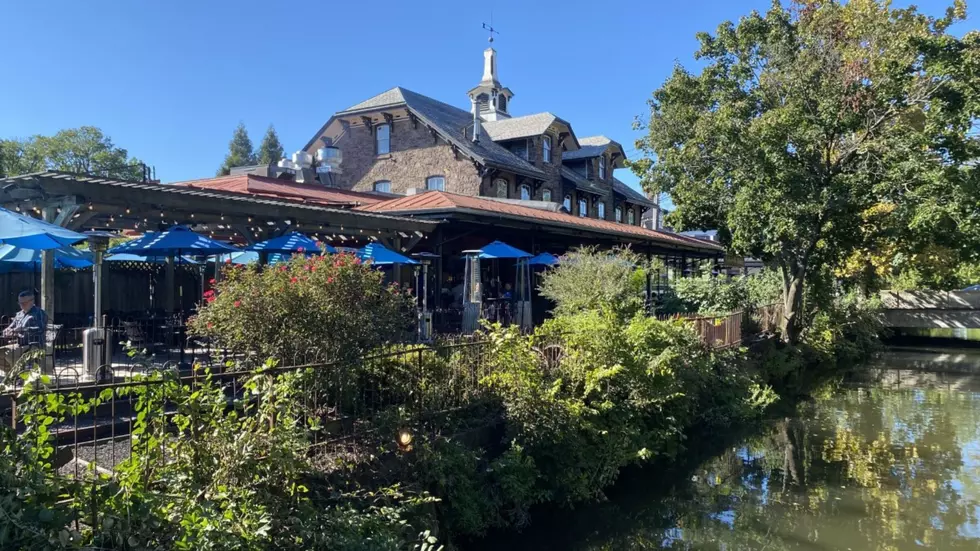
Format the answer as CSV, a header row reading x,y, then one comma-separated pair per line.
x,y
169,285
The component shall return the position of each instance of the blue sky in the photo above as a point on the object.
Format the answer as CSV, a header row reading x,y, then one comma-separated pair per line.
x,y
169,81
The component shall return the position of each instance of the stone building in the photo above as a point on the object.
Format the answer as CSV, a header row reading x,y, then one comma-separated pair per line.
x,y
402,142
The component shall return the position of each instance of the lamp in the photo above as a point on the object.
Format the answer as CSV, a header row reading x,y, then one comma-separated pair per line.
x,y
425,318
96,351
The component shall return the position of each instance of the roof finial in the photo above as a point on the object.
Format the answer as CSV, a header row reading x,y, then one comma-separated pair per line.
x,y
490,28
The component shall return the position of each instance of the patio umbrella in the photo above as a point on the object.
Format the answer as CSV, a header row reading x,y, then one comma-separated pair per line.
x,y
18,259
30,233
379,255
543,259
176,240
291,242
248,257
499,249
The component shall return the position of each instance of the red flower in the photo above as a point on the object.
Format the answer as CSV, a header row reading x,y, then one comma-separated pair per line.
x,y
211,281
210,325
312,268
238,303
357,260
282,268
210,299
330,279
228,260
293,280
300,250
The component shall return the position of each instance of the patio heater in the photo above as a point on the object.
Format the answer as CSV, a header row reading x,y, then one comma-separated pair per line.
x,y
425,317
96,349
472,292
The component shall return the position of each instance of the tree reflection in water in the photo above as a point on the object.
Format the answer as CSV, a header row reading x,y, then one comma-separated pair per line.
x,y
862,468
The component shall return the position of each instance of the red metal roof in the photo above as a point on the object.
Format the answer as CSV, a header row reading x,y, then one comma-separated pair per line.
x,y
435,201
272,187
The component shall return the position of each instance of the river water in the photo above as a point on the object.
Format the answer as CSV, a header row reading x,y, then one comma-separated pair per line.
x,y
888,463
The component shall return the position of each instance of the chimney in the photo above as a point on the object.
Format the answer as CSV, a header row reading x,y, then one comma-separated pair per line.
x,y
329,159
476,121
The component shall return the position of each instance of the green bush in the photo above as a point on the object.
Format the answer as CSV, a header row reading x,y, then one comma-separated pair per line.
x,y
715,295
589,279
320,308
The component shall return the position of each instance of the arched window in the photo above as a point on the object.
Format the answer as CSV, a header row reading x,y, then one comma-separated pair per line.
x,y
384,186
382,139
525,192
567,203
602,211
500,186
583,208
546,195
630,217
436,183
602,168
618,213
546,149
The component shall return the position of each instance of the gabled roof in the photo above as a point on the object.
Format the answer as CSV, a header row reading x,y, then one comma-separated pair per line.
x,y
591,146
455,125
440,202
272,187
582,182
631,194
521,127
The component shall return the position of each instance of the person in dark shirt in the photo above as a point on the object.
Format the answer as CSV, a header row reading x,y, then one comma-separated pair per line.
x,y
26,330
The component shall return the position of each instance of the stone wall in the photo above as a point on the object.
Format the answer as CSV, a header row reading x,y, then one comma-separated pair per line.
x,y
415,155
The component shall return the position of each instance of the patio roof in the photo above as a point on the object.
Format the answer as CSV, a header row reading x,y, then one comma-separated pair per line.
x,y
439,204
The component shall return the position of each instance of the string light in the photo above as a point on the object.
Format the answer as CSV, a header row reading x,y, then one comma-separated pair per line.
x,y
127,211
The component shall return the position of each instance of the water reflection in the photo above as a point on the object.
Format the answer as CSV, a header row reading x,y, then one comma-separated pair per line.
x,y
888,465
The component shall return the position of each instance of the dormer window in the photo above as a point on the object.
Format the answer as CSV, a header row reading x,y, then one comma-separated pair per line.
x,y
602,168
546,195
602,211
618,214
583,208
546,149
382,186
435,183
630,217
382,139
567,203
525,192
501,185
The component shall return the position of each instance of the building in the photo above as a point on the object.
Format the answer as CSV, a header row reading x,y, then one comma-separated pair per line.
x,y
405,143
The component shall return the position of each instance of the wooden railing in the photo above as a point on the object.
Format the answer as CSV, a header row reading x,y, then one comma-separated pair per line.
x,y
726,330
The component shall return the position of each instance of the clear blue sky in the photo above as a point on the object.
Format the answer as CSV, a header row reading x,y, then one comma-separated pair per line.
x,y
170,80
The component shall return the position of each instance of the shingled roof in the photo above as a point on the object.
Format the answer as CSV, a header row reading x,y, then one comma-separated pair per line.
x,y
272,187
631,194
521,127
440,202
455,125
591,146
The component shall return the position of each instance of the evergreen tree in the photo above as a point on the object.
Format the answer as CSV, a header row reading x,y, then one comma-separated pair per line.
x,y
239,151
271,150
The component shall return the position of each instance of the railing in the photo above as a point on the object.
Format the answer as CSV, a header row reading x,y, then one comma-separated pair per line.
x,y
727,330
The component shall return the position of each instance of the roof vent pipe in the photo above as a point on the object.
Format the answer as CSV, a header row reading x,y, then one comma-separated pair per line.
x,y
476,121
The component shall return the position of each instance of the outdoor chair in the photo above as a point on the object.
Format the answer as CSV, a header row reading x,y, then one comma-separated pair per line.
x,y
50,337
134,334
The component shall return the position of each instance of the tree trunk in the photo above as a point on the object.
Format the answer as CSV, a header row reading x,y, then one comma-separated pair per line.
x,y
792,304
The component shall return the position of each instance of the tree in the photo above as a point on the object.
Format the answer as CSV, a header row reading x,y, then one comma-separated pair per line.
x,y
808,116
271,150
239,151
83,150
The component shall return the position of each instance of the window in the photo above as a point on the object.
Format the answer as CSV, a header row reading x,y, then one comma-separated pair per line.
x,y
546,149
525,192
384,186
546,195
630,217
502,103
602,168
501,186
602,211
583,207
382,139
519,148
567,203
618,213
437,183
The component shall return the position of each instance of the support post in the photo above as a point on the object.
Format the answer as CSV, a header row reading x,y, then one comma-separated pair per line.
x,y
49,214
169,278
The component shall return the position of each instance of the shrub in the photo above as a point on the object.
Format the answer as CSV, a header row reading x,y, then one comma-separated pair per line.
x,y
589,279
320,308
714,295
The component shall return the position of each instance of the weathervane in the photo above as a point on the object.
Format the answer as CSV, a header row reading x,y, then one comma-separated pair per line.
x,y
490,28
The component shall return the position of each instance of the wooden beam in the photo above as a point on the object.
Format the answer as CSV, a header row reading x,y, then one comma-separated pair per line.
x,y
390,121
367,123
414,119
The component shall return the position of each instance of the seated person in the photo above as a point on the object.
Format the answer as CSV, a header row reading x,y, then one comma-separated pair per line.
x,y
508,292
27,329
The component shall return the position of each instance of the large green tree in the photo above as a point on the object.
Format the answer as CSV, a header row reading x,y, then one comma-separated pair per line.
x,y
808,117
239,151
82,150
270,150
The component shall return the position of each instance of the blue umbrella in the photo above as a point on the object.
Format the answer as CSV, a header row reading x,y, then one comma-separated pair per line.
x,y
176,240
292,242
544,259
30,233
248,257
377,254
128,257
499,249
17,259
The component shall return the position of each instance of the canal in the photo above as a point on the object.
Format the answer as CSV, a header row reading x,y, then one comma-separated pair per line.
x,y
887,462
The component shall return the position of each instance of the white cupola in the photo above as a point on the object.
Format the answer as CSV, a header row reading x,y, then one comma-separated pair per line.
x,y
489,99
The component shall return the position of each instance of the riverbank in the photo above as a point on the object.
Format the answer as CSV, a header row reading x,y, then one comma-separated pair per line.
x,y
824,474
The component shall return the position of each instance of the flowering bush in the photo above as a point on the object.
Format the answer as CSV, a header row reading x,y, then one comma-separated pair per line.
x,y
320,308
